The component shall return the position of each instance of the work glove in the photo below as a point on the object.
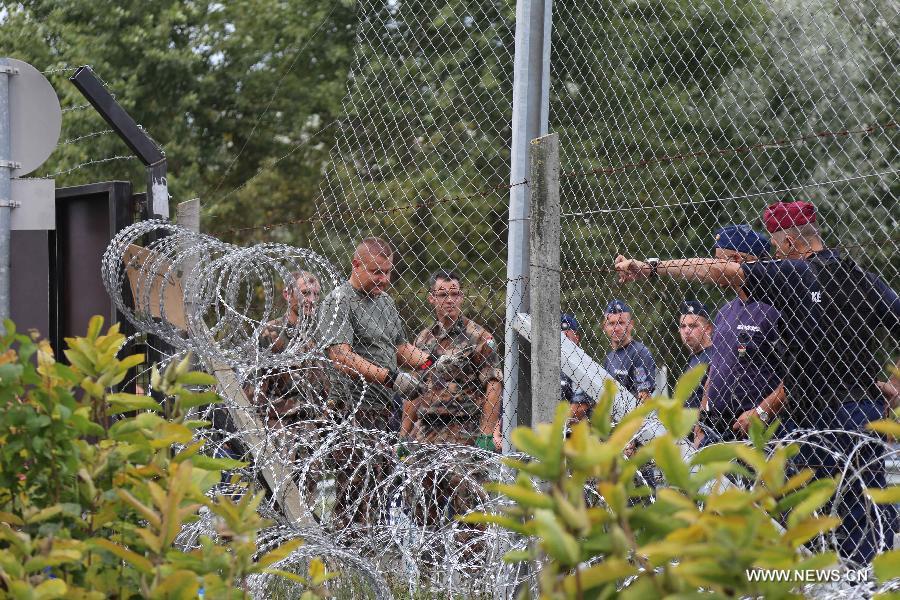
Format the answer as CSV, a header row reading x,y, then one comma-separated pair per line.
x,y
485,442
406,385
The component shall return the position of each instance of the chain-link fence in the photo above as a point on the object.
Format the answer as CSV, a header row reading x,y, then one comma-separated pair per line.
x,y
676,120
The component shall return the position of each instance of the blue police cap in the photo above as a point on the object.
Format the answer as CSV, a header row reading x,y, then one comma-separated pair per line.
x,y
567,322
741,238
617,306
694,307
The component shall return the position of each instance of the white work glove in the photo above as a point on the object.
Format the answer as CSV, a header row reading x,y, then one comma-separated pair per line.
x,y
446,362
406,385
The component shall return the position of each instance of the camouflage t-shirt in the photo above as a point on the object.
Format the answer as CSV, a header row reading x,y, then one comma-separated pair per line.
x,y
372,327
459,390
299,390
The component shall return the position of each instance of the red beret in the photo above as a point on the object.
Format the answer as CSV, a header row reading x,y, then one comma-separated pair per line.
x,y
784,215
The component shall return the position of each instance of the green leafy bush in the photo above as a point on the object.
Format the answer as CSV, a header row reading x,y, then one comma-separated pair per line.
x,y
90,507
702,531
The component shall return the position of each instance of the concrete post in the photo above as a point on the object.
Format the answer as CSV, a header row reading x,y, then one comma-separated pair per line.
x,y
544,278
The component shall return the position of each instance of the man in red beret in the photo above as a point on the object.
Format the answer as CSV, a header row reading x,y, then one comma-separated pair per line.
x,y
830,311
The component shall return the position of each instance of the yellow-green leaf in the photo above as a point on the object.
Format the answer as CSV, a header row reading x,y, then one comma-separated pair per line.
x,y
887,566
805,531
52,588
611,569
888,495
888,427
136,560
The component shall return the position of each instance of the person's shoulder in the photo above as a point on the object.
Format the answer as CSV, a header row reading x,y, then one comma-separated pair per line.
x,y
427,334
639,348
342,291
475,330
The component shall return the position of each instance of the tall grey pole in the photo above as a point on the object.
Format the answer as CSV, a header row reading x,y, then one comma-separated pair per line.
x,y
5,190
531,94
544,278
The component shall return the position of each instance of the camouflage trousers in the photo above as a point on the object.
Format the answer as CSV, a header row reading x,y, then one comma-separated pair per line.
x,y
361,469
445,431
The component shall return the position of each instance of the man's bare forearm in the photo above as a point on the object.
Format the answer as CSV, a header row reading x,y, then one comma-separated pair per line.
x,y
773,403
351,363
410,356
490,412
705,270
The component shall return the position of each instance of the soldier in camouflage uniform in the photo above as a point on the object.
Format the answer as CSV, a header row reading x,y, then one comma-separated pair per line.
x,y
289,399
461,399
283,395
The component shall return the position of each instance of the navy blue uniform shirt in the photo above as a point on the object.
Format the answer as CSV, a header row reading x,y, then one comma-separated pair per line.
x,y
701,358
572,393
633,367
792,287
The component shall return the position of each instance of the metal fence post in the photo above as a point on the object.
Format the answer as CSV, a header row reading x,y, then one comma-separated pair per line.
x,y
544,278
531,80
5,192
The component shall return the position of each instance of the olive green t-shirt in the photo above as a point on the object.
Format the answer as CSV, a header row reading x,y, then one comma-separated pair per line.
x,y
370,325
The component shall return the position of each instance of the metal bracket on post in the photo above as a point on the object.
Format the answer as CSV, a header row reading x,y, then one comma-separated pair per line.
x,y
10,164
9,204
9,70
131,133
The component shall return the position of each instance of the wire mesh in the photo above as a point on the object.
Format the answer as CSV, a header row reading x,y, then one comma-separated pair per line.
x,y
679,119
676,119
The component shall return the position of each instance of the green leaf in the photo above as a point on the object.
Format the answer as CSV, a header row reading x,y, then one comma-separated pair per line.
x,y
558,544
611,569
196,378
192,399
803,532
887,566
670,462
716,453
201,461
888,495
517,556
492,519
52,588
526,440
122,402
814,501
136,560
287,575
180,585
888,427
687,383
94,327
279,553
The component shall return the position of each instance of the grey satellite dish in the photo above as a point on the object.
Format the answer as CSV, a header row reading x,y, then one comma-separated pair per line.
x,y
34,116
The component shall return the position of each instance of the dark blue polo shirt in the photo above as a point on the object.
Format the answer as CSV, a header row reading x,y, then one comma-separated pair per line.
x,y
793,287
701,358
747,365
633,367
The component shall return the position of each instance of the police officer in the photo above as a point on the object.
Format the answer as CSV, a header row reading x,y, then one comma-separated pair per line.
x,y
830,310
579,402
461,400
746,370
696,329
629,362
